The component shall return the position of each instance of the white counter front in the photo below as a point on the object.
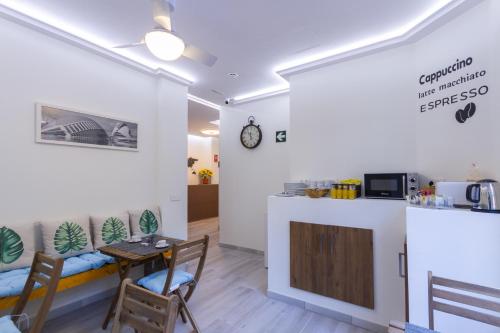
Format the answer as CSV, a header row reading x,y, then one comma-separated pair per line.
x,y
387,220
454,244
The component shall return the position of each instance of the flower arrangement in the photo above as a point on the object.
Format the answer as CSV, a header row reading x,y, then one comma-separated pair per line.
x,y
205,175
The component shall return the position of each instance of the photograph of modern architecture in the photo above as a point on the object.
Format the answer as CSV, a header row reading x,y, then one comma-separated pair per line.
x,y
72,127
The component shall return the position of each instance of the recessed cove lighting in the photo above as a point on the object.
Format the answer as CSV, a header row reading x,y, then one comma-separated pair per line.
x,y
398,32
267,92
204,102
210,132
369,44
40,19
215,122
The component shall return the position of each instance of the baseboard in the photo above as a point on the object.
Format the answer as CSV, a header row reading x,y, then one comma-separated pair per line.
x,y
234,247
368,325
286,299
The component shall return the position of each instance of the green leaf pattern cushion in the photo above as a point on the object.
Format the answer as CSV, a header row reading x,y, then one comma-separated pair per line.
x,y
113,230
11,246
17,245
67,237
148,222
145,221
109,229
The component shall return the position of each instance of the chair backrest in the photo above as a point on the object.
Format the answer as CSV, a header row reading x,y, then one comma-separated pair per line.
x,y
144,310
185,252
46,271
450,294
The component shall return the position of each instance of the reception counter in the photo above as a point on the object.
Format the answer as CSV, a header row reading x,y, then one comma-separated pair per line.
x,y
455,244
381,222
203,202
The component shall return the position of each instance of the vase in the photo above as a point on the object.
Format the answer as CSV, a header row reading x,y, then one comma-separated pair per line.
x,y
205,180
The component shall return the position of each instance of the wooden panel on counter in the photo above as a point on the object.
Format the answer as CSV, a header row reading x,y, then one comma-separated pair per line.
x,y
203,202
333,261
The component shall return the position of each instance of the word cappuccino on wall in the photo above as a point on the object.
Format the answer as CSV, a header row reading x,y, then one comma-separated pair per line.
x,y
455,84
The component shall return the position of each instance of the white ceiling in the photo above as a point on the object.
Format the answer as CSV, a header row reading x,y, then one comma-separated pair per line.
x,y
249,37
199,118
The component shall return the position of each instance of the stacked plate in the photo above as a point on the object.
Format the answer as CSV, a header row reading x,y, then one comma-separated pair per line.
x,y
296,188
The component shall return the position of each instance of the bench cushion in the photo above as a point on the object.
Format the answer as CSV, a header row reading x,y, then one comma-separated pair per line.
x,y
17,245
84,262
156,281
110,229
145,221
7,326
67,237
12,282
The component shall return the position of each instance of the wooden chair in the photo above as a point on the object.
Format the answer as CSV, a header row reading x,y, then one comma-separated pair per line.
x,y
459,298
46,271
144,310
450,294
181,253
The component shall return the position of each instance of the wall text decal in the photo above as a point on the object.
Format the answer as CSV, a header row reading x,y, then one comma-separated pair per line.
x,y
463,84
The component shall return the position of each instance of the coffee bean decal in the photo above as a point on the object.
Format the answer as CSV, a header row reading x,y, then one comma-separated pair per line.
x,y
466,113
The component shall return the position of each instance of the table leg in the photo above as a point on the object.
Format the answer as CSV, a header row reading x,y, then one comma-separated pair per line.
x,y
123,270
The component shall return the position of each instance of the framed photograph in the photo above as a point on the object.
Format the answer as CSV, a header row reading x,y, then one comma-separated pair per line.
x,y
64,126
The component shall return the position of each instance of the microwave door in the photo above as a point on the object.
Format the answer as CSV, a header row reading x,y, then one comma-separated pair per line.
x,y
391,186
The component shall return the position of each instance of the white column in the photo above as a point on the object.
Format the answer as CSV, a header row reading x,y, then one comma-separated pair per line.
x,y
172,133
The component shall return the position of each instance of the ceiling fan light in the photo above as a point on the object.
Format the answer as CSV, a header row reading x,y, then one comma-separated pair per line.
x,y
164,45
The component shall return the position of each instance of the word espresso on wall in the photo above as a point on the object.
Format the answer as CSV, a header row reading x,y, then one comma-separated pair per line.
x,y
459,82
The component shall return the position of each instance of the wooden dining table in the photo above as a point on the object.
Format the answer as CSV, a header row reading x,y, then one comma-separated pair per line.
x,y
128,255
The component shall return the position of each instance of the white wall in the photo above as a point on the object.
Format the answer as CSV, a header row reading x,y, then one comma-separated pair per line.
x,y
446,149
353,117
363,115
42,181
247,177
172,124
203,149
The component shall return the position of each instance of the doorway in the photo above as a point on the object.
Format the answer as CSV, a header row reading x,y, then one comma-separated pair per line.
x,y
203,172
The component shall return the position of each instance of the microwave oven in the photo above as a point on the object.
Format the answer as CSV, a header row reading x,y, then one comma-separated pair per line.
x,y
390,185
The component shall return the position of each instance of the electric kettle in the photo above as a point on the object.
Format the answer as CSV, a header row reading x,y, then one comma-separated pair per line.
x,y
485,196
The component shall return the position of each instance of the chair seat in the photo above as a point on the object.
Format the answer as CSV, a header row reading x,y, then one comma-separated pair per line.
x,y
7,326
156,281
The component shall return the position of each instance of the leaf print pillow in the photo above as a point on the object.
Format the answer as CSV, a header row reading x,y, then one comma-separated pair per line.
x,y
67,237
145,221
17,245
110,229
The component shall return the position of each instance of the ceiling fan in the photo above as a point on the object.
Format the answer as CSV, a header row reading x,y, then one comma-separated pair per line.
x,y
164,43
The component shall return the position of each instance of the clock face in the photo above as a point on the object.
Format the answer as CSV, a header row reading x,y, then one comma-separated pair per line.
x,y
251,136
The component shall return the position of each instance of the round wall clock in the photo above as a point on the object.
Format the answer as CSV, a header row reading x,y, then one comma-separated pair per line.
x,y
251,135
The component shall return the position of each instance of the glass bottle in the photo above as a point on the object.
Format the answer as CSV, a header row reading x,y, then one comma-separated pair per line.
x,y
352,192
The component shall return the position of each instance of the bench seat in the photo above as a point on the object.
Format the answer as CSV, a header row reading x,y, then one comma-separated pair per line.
x,y
76,271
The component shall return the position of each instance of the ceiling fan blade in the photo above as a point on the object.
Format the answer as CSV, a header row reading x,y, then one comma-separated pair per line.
x,y
199,55
162,10
125,46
